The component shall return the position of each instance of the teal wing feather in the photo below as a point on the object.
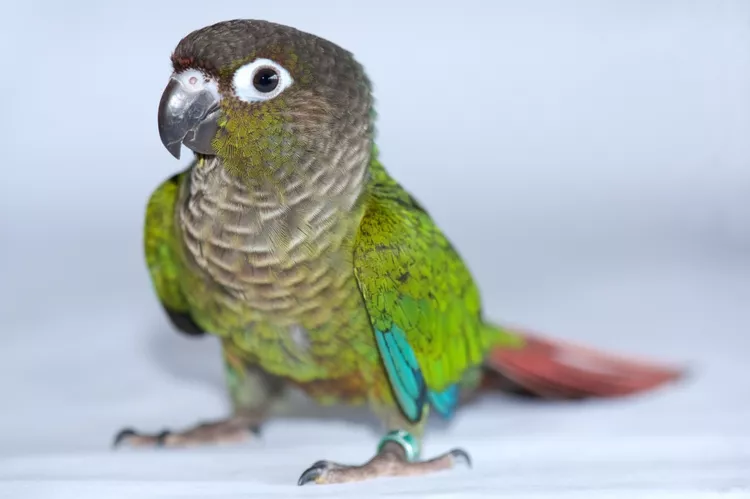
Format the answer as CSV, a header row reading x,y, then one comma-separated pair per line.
x,y
403,371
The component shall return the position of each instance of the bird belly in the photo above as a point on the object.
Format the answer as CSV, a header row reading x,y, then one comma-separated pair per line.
x,y
280,294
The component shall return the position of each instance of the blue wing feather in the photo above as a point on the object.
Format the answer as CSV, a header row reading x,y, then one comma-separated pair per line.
x,y
407,382
407,372
445,402
406,377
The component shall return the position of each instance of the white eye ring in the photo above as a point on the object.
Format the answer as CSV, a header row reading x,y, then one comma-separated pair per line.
x,y
260,80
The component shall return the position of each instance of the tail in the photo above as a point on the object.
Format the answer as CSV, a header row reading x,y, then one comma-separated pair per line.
x,y
557,370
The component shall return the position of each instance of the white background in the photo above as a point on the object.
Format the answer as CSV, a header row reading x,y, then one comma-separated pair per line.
x,y
590,159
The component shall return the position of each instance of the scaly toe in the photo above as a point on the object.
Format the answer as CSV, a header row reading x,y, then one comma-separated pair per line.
x,y
134,438
231,430
161,438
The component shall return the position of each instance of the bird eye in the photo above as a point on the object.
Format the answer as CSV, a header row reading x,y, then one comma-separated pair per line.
x,y
265,80
261,80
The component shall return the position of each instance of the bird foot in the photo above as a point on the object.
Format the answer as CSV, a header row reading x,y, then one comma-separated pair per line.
x,y
397,456
231,430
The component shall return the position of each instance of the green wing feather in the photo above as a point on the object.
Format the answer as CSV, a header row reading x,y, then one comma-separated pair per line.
x,y
422,301
161,255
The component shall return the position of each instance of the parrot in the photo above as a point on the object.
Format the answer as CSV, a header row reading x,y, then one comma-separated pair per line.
x,y
287,240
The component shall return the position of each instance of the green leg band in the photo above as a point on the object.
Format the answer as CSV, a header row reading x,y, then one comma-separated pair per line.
x,y
405,440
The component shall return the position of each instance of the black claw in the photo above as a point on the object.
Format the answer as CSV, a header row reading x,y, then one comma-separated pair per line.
x,y
254,429
122,435
461,456
312,473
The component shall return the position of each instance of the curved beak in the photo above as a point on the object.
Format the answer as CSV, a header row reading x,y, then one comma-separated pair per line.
x,y
188,113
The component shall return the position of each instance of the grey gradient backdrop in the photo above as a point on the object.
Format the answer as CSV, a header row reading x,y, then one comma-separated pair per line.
x,y
590,159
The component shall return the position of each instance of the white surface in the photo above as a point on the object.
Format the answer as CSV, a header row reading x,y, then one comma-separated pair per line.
x,y
604,151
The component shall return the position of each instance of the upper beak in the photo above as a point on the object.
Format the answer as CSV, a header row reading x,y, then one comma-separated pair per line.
x,y
188,113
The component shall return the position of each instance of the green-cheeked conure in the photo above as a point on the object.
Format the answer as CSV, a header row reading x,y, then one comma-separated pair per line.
x,y
287,239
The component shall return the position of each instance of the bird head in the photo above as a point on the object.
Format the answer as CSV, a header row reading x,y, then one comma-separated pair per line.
x,y
267,99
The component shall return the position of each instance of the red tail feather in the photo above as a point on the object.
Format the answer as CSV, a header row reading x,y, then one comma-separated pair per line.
x,y
555,369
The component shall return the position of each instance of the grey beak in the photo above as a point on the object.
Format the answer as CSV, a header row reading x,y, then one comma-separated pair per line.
x,y
188,114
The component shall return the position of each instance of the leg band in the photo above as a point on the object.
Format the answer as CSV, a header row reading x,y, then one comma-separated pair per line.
x,y
405,440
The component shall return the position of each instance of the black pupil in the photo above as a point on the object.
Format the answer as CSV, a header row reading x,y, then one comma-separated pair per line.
x,y
265,80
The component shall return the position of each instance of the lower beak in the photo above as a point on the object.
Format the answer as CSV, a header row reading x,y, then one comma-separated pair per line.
x,y
188,115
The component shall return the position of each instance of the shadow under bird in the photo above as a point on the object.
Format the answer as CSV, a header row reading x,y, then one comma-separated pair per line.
x,y
287,239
